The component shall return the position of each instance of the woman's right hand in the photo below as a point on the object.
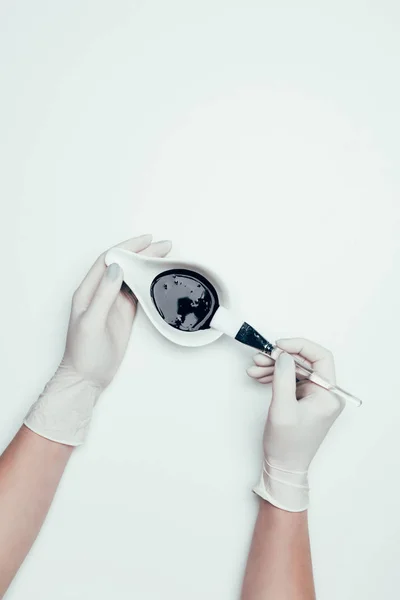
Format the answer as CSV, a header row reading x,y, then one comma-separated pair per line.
x,y
298,420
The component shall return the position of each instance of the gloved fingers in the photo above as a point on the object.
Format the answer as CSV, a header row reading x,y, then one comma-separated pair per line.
x,y
126,301
302,360
284,383
106,294
159,249
262,360
125,305
259,372
136,244
320,358
304,348
120,318
266,375
267,379
304,389
127,295
90,283
323,403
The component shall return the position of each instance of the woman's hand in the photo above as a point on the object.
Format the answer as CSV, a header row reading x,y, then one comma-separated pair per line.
x,y
99,328
102,316
31,467
299,418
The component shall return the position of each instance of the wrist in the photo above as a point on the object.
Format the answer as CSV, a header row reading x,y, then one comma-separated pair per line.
x,y
280,517
287,490
64,409
56,450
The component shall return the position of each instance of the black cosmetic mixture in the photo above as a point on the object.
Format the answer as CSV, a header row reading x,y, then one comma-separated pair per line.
x,y
185,299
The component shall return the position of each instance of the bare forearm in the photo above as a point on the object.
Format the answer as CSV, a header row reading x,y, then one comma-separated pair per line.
x,y
30,470
279,564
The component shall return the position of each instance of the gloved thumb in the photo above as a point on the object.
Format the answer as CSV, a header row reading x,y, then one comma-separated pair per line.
x,y
284,382
107,292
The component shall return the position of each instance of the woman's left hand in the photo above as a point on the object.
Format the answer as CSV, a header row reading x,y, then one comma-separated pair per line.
x,y
102,313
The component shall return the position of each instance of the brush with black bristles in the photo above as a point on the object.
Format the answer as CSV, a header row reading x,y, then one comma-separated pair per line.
x,y
225,321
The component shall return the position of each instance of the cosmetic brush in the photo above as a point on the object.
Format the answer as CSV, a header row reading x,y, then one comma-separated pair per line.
x,y
227,322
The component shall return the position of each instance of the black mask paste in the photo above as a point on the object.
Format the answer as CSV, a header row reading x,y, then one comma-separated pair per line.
x,y
185,299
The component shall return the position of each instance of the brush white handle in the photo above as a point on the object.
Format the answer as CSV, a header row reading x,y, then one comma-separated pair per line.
x,y
318,380
226,321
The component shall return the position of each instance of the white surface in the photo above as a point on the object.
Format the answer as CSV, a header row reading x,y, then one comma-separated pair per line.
x,y
262,137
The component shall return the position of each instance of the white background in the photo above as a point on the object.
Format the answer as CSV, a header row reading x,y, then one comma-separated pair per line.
x,y
263,138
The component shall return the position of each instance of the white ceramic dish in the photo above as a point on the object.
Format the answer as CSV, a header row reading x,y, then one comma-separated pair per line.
x,y
139,273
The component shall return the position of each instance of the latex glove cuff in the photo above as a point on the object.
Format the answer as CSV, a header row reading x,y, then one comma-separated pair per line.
x,y
63,411
287,490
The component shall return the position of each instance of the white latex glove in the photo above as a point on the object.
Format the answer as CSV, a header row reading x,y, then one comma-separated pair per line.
x,y
99,329
298,420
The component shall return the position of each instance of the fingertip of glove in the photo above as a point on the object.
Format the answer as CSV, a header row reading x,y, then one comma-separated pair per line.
x,y
113,272
284,361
